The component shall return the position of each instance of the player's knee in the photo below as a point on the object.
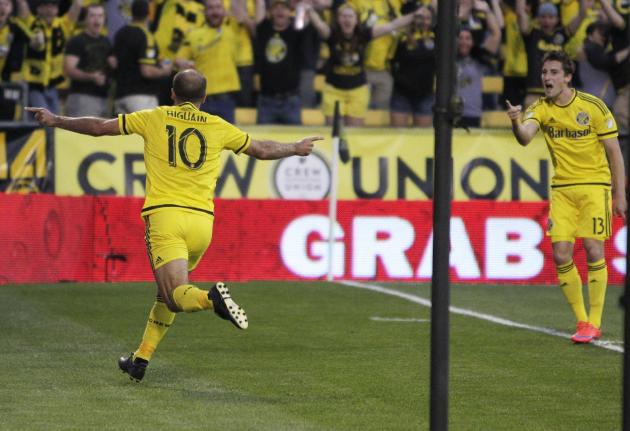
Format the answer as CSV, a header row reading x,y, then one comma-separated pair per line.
x,y
562,255
594,252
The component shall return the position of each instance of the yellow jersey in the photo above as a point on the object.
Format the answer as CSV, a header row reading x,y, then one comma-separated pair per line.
x,y
379,50
214,51
177,19
245,54
514,53
573,133
182,149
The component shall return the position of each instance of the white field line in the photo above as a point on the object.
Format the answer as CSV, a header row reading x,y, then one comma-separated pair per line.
x,y
398,319
604,344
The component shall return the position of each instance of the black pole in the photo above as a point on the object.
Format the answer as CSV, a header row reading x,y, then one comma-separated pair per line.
x,y
440,288
625,299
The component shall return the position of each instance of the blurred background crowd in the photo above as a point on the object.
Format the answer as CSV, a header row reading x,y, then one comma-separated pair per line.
x,y
98,58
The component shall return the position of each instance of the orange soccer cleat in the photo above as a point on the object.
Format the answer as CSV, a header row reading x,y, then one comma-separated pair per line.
x,y
585,333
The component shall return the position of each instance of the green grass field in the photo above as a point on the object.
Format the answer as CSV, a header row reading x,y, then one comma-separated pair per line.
x,y
317,356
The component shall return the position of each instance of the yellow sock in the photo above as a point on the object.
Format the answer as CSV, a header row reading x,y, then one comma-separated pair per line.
x,y
571,285
160,319
597,281
190,298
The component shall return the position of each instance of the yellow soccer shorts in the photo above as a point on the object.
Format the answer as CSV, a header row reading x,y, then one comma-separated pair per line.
x,y
582,211
352,103
175,234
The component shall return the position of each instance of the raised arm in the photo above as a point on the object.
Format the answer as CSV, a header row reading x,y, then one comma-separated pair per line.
x,y
523,132
498,13
86,125
322,28
261,11
75,10
577,21
493,39
613,16
23,9
620,205
395,24
272,150
524,22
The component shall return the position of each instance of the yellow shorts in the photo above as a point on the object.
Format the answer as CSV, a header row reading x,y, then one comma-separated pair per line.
x,y
580,212
175,234
352,103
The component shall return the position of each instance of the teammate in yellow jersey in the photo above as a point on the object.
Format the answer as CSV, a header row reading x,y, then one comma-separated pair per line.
x,y
182,156
581,135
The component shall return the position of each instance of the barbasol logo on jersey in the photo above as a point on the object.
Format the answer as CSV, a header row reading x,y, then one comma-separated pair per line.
x,y
555,132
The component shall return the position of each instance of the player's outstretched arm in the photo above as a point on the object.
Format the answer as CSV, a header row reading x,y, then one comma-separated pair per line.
x,y
86,125
615,158
271,150
524,133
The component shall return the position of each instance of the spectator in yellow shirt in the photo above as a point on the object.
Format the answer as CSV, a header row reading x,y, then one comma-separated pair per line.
x,y
212,50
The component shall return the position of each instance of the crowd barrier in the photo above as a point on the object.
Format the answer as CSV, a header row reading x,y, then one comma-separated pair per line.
x,y
48,238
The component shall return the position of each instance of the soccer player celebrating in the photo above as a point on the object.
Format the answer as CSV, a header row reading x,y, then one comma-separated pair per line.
x,y
581,135
182,155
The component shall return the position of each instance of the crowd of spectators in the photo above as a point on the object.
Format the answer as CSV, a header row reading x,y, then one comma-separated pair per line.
x,y
96,57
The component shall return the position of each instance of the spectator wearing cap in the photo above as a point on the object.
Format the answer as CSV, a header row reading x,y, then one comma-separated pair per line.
x,y
547,36
42,68
595,63
88,56
213,50
346,80
413,69
278,54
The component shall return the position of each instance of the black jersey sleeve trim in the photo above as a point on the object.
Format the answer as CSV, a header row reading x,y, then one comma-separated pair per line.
x,y
244,144
124,124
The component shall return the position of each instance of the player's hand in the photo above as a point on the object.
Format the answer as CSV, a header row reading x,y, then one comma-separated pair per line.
x,y
305,146
514,112
43,115
620,207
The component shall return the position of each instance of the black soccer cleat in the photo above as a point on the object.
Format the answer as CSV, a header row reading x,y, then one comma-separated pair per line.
x,y
134,367
225,307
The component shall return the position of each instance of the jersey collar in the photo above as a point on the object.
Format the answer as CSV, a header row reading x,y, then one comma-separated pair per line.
x,y
188,105
570,101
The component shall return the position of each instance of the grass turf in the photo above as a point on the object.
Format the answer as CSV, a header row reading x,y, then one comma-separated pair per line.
x,y
312,359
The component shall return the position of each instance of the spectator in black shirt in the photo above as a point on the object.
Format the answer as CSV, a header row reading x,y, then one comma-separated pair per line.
x,y
595,63
413,70
547,36
138,69
277,52
346,79
619,16
85,63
